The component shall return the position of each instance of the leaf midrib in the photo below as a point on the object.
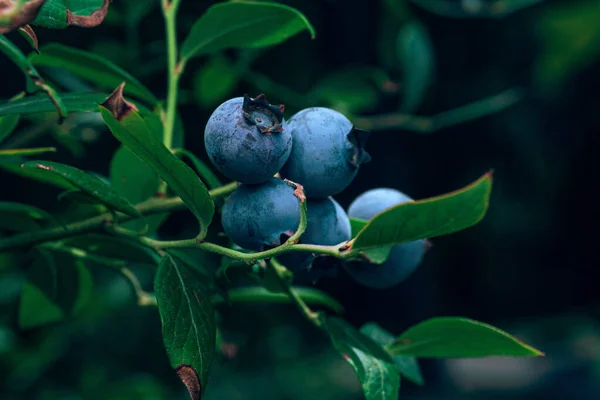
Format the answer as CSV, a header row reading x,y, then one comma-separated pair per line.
x,y
191,311
225,32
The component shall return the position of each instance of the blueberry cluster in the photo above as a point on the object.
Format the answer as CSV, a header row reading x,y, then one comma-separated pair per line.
x,y
248,140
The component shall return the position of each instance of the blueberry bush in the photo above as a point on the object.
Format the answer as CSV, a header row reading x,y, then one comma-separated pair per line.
x,y
261,208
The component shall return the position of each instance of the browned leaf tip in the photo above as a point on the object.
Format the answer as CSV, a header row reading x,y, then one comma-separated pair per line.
x,y
190,379
18,18
117,105
28,31
89,21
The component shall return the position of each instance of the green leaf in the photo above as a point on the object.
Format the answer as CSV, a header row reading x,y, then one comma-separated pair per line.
x,y
416,57
34,79
26,152
214,82
258,294
427,218
243,24
59,14
377,255
133,132
408,366
450,337
23,217
116,247
89,184
74,102
91,67
77,196
203,170
375,369
57,287
38,175
8,125
137,181
188,324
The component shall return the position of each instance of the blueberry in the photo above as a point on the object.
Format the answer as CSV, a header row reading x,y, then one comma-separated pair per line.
x,y
246,139
326,153
257,217
404,258
328,224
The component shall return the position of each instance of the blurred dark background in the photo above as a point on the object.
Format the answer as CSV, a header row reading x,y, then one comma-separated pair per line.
x,y
530,267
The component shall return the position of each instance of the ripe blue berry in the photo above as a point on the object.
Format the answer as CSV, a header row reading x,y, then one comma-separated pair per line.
x,y
246,141
326,153
328,224
404,258
256,217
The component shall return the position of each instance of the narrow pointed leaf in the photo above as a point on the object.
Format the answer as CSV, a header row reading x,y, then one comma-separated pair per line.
x,y
408,366
428,218
91,67
452,337
188,324
89,184
74,102
243,24
131,130
376,371
57,287
37,175
26,152
34,79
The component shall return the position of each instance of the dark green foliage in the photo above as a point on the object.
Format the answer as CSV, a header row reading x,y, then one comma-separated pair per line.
x,y
142,208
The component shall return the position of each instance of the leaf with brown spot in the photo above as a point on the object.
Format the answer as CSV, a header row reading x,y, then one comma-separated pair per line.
x,y
89,21
188,324
190,379
60,14
117,105
12,17
136,133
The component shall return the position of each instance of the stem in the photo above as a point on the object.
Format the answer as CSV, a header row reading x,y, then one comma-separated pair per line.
x,y
290,245
459,115
174,71
293,295
258,294
143,298
148,207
